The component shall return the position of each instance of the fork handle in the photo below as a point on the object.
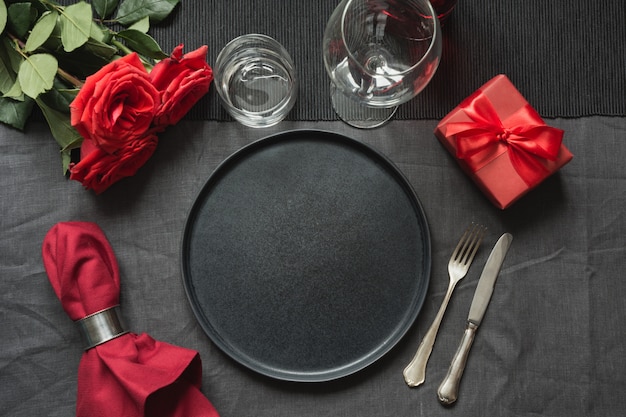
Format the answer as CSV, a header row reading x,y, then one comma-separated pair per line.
x,y
448,391
415,372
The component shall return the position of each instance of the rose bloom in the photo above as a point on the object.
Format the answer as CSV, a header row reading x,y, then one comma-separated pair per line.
x,y
116,105
98,169
182,81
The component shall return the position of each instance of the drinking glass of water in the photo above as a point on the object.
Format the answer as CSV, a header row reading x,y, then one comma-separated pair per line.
x,y
256,81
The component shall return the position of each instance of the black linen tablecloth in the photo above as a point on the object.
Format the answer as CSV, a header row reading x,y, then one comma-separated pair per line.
x,y
553,341
566,56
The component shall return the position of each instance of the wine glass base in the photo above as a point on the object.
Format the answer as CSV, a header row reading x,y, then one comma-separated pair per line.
x,y
357,115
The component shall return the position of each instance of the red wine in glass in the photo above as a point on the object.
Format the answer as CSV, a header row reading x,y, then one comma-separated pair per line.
x,y
443,8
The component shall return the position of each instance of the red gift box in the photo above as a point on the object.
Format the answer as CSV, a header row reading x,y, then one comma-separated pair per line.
x,y
501,142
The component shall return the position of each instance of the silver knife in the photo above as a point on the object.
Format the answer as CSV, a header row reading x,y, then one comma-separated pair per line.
x,y
449,388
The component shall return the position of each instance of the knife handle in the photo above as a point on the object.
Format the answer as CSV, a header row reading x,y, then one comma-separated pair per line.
x,y
449,389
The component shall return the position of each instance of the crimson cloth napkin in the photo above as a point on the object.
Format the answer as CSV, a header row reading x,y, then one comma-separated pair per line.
x,y
130,375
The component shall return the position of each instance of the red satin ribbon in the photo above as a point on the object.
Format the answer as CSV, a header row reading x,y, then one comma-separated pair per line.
x,y
529,141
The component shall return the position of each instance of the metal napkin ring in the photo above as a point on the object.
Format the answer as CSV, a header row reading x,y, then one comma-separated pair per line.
x,y
101,326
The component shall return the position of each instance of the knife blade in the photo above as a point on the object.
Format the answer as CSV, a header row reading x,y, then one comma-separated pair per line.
x,y
449,388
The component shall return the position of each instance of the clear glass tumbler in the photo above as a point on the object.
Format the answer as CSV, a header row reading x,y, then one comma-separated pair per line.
x,y
256,80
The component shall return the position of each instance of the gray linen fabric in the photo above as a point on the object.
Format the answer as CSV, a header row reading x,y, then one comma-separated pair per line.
x,y
552,342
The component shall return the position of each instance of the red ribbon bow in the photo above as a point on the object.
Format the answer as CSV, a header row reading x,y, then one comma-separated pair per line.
x,y
131,375
527,138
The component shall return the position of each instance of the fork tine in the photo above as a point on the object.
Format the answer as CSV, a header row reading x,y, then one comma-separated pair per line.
x,y
479,233
458,251
468,244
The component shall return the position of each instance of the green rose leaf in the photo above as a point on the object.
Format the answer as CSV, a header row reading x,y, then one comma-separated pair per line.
x,y
142,25
100,33
20,17
12,59
142,43
37,73
66,136
15,92
3,15
41,31
59,97
15,113
7,75
104,7
75,25
130,11
97,49
6,78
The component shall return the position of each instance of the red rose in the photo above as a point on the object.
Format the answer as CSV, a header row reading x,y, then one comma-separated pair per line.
x,y
116,105
121,107
98,170
182,81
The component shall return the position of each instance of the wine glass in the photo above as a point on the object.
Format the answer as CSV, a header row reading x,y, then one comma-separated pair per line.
x,y
379,54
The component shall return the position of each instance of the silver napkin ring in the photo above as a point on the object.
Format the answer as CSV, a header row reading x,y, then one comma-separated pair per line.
x,y
101,326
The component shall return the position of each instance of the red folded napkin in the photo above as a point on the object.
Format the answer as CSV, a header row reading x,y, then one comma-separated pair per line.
x,y
129,375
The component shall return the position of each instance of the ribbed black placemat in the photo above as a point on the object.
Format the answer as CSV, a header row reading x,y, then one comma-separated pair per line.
x,y
567,57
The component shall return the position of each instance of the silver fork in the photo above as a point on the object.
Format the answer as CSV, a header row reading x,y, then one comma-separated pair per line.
x,y
415,372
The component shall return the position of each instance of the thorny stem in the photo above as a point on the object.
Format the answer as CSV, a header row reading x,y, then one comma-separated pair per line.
x,y
69,78
121,47
18,41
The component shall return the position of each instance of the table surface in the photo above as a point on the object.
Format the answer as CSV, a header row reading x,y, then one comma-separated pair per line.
x,y
552,343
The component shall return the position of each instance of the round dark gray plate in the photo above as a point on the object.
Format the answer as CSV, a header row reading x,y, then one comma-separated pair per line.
x,y
306,256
